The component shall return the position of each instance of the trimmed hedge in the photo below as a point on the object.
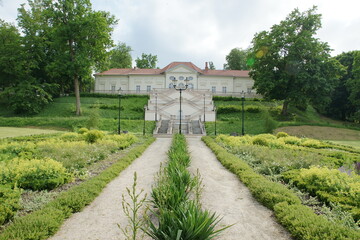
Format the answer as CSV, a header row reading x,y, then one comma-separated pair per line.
x,y
109,95
300,220
45,222
9,202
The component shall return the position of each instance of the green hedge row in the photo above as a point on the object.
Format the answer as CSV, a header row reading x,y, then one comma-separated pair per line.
x,y
71,123
108,95
9,202
45,222
237,109
300,220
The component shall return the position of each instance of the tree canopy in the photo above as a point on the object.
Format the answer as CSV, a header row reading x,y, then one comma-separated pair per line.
x,y
120,56
146,61
236,60
289,63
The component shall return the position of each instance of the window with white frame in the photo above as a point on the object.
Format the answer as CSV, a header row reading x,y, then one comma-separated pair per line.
x,y
171,85
224,89
213,89
137,88
249,90
191,86
148,88
113,88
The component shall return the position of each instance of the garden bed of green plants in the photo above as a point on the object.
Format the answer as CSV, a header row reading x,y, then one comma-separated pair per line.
x,y
176,198
264,162
41,163
263,117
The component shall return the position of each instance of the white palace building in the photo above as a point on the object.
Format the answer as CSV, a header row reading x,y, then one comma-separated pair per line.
x,y
164,103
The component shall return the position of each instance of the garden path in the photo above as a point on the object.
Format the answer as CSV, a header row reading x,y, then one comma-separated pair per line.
x,y
100,219
224,194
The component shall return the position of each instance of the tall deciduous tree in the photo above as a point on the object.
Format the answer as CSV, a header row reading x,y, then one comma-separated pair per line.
x,y
120,56
236,59
12,60
146,61
289,63
353,85
211,66
80,37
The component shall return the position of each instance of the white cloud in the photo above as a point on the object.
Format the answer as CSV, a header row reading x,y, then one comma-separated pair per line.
x,y
206,30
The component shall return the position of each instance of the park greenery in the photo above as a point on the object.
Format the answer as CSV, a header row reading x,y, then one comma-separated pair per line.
x,y
264,163
119,57
237,59
176,198
45,162
146,61
292,65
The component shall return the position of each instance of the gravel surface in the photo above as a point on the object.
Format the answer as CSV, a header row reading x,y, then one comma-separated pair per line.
x,y
100,219
224,194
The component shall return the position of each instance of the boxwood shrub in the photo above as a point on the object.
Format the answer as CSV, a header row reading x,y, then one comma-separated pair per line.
x,y
300,220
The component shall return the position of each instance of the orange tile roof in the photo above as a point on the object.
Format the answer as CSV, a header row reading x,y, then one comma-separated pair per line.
x,y
188,64
206,72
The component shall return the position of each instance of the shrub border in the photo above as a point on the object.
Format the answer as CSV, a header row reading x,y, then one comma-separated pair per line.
x,y
300,220
45,222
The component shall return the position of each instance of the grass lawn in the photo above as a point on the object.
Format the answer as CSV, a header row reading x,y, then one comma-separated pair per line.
x,y
16,132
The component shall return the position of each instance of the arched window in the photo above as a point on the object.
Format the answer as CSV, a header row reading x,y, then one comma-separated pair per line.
x,y
171,85
191,86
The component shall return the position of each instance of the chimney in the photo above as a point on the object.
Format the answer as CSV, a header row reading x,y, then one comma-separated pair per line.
x,y
206,66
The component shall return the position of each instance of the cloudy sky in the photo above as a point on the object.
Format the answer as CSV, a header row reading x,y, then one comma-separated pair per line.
x,y
206,30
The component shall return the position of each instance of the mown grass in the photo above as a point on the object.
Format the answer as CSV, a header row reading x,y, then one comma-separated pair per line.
x,y
268,119
16,132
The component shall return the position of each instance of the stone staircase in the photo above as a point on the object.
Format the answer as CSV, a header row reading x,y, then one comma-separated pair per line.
x,y
164,107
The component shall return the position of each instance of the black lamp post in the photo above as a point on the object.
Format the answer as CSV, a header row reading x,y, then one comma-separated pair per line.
x,y
243,113
145,107
215,118
174,80
204,107
155,107
119,95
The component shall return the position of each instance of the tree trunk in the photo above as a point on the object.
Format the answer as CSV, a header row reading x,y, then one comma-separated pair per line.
x,y
284,110
77,95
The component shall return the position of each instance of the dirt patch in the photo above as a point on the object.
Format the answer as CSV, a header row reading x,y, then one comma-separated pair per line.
x,y
322,133
224,194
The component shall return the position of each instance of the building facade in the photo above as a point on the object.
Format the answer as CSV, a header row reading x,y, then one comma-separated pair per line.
x,y
144,81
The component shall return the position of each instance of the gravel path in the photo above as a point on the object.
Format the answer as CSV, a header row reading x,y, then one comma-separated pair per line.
x,y
223,193
228,197
99,220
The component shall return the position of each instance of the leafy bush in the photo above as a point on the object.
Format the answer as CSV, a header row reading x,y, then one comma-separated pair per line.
x,y
329,185
82,130
304,224
9,202
18,149
71,136
35,174
312,143
46,221
93,135
260,141
282,135
28,98
252,109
